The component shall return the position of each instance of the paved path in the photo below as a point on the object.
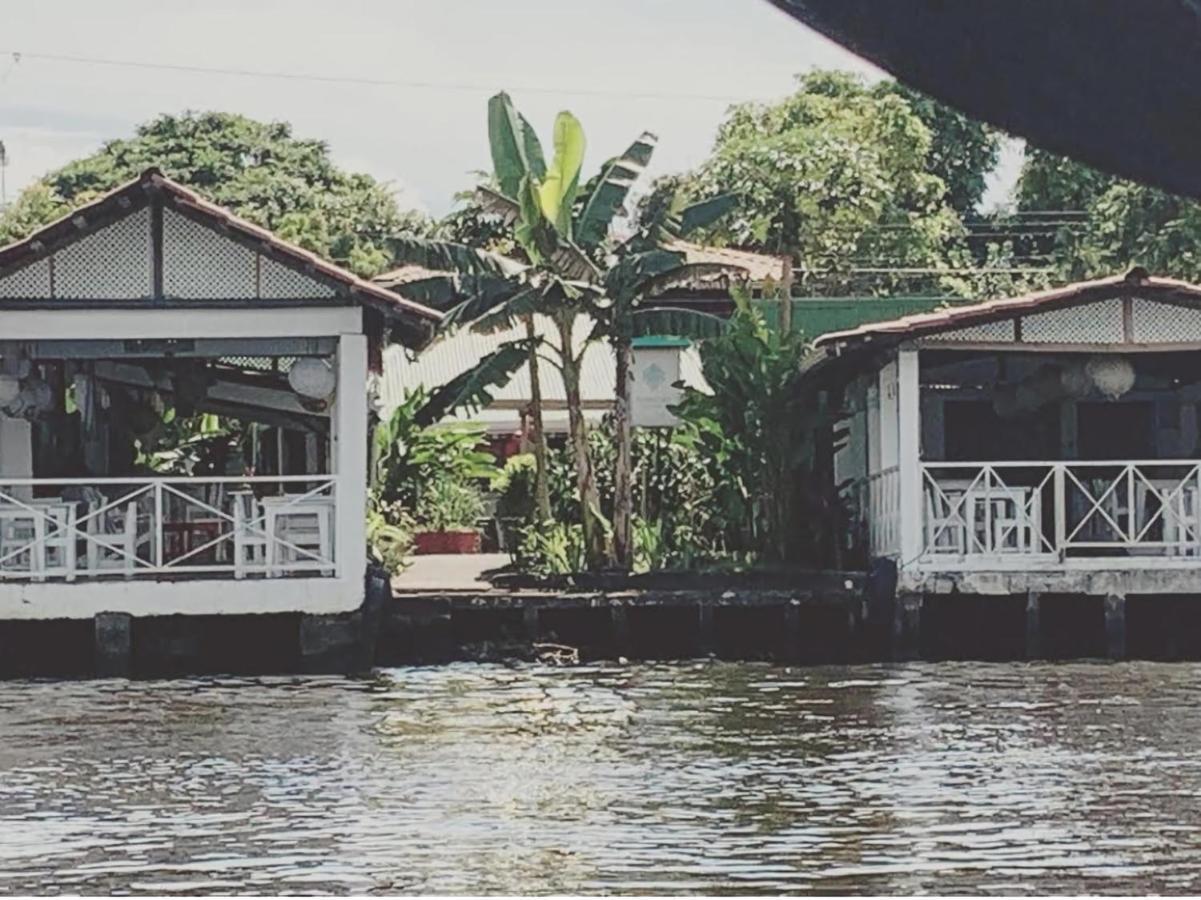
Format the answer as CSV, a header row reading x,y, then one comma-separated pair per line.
x,y
449,572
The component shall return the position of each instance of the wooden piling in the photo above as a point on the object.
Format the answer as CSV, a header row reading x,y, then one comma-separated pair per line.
x,y
621,629
706,630
907,626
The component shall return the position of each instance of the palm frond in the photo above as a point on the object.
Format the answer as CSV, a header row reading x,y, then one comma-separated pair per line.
x,y
493,203
448,256
481,303
572,262
473,389
610,193
505,315
706,212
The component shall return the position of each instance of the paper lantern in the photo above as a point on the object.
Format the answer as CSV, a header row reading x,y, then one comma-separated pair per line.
x,y
1113,375
10,387
1075,381
313,377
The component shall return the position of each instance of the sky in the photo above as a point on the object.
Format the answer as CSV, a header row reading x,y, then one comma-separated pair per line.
x,y
667,66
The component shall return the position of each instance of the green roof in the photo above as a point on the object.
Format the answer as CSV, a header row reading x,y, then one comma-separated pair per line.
x,y
815,316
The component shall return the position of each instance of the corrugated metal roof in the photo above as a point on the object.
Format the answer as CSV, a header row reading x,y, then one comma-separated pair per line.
x,y
461,351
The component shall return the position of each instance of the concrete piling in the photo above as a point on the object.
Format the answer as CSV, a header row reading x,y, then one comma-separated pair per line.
x,y
1034,631
1115,626
113,643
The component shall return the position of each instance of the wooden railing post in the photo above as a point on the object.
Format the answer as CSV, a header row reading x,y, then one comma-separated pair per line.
x,y
158,524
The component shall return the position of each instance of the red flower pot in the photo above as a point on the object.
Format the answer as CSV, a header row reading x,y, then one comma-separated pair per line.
x,y
426,542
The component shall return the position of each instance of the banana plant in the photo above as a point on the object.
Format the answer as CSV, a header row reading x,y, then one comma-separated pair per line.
x,y
574,273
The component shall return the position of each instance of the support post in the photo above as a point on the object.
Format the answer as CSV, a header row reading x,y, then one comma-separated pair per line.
x,y
792,628
529,618
907,627
350,459
707,633
1115,626
113,633
621,629
1034,631
909,428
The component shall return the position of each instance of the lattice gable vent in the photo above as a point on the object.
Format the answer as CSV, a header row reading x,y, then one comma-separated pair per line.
x,y
116,262
1164,323
200,263
112,263
1089,323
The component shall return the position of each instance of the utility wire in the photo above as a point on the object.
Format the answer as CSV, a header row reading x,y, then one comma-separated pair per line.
x,y
362,80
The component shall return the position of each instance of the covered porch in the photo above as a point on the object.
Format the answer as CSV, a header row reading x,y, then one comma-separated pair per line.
x,y
183,414
1030,439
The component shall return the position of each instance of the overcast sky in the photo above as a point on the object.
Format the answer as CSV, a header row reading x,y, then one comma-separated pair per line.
x,y
668,66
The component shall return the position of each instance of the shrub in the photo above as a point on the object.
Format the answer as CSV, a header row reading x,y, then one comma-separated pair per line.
x,y
389,534
449,505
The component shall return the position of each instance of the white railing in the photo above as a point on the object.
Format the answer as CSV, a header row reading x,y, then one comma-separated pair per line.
x,y
1061,509
78,529
880,499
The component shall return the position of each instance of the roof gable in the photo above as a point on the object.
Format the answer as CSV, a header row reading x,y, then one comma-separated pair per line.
x,y
1135,309
154,240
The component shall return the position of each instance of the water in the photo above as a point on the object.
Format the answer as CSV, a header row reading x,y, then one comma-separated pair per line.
x,y
658,778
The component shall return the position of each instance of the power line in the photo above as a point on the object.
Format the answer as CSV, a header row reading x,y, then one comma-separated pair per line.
x,y
363,81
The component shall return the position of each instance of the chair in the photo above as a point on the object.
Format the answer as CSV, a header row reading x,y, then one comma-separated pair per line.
x,y
250,536
113,539
57,529
301,533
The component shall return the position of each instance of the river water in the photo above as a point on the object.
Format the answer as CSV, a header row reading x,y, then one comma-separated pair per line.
x,y
707,777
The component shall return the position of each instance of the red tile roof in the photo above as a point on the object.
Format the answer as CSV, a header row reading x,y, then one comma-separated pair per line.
x,y
417,319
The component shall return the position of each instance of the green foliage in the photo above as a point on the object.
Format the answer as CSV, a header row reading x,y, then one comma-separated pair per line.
x,y
1125,223
448,503
757,431
835,173
551,548
962,150
514,488
410,459
257,169
389,534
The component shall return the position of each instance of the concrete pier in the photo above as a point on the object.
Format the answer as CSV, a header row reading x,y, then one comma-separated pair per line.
x,y
114,644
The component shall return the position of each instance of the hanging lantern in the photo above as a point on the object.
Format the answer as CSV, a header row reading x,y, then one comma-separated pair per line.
x,y
313,377
1075,381
41,395
10,387
1113,375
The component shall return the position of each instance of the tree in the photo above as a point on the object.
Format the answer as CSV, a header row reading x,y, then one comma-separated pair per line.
x,y
962,150
571,270
1123,224
257,169
836,174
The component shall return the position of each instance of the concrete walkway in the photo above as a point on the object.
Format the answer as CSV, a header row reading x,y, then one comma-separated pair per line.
x,y
449,572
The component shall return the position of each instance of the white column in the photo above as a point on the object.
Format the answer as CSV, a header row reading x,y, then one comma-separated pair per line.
x,y
909,429
349,422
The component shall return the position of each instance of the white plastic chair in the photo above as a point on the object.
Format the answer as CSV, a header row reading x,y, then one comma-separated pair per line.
x,y
113,539
250,536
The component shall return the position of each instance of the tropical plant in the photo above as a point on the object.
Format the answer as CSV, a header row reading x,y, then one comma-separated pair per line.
x,y
257,169
409,455
389,533
551,548
449,504
571,271
761,427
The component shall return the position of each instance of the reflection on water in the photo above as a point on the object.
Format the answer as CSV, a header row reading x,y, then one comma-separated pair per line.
x,y
693,777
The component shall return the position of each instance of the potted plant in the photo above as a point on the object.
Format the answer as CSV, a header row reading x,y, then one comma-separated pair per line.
x,y
447,514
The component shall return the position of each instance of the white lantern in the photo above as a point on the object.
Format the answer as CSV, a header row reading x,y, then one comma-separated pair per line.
x,y
313,377
1113,375
10,387
1075,381
41,395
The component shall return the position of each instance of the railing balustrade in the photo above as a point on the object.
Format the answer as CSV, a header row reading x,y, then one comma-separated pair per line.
x,y
1061,509
254,526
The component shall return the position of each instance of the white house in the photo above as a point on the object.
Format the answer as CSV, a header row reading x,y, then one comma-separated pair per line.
x,y
1043,443
152,297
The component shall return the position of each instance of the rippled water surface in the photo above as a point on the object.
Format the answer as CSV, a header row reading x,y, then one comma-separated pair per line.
x,y
706,777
